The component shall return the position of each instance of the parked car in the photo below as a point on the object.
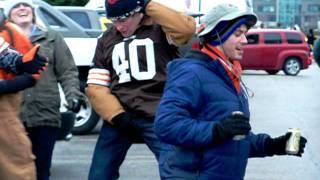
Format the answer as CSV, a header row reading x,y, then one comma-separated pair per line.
x,y
273,50
82,43
87,18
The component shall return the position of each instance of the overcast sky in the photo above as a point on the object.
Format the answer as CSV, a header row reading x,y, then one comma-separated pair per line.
x,y
193,5
183,5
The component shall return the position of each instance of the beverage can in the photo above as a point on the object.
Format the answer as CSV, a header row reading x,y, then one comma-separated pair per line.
x,y
238,137
292,146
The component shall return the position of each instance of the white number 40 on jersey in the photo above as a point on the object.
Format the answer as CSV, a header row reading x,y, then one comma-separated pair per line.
x,y
121,63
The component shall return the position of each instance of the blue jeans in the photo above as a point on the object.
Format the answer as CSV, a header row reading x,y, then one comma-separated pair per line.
x,y
112,147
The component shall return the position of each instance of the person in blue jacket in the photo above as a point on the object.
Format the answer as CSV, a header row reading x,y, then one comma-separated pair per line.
x,y
203,116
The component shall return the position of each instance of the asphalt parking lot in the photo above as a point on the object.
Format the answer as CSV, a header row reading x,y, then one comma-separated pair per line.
x,y
279,102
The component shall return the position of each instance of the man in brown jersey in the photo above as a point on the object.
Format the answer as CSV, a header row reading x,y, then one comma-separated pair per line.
x,y
128,76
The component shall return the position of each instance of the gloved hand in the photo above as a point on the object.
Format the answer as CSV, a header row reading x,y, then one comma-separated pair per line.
x,y
32,62
235,124
19,83
74,104
124,123
277,146
144,6
9,58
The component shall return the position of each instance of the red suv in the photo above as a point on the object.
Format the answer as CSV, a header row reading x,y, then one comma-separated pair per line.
x,y
273,50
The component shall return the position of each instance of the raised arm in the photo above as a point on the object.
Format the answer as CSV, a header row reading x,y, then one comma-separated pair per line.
x,y
12,61
178,27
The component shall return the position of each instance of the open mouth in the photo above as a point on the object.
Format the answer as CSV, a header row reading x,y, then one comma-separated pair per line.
x,y
23,14
240,50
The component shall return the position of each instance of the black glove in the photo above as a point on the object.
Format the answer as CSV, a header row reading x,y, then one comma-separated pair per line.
x,y
36,65
144,5
74,105
277,146
19,83
125,124
9,60
236,124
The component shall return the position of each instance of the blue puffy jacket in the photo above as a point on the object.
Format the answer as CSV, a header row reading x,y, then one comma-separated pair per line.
x,y
198,94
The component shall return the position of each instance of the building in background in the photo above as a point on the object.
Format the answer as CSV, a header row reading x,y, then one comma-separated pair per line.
x,y
310,11
288,13
266,11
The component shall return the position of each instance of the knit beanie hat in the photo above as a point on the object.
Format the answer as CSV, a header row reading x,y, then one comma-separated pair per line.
x,y
11,3
120,9
223,20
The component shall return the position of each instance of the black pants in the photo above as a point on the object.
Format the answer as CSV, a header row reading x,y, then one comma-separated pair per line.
x,y
43,139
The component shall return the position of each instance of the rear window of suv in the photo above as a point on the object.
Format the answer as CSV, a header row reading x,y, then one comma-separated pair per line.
x,y
272,38
293,38
253,39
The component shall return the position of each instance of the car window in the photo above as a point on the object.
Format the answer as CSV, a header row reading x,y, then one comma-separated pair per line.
x,y
293,38
51,20
272,38
79,17
253,39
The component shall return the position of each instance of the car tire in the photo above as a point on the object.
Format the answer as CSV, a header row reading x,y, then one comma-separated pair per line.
x,y
292,66
85,120
272,72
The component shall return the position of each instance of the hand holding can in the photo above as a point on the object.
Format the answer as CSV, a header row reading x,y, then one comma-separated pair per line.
x,y
238,137
292,145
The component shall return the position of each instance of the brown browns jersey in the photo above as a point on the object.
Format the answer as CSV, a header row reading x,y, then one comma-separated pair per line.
x,y
133,68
